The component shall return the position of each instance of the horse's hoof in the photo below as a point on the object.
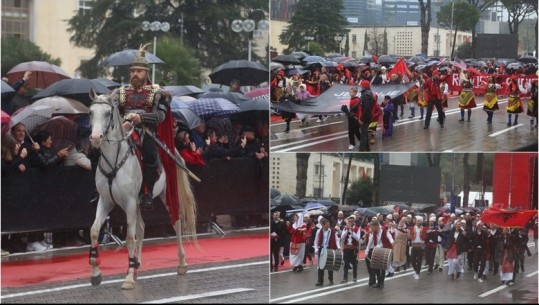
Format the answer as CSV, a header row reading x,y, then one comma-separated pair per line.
x,y
96,280
182,270
128,285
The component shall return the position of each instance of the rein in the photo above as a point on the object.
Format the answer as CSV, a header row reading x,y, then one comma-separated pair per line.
x,y
117,165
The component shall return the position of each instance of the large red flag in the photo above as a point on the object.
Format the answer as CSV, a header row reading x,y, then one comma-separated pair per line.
x,y
401,68
508,218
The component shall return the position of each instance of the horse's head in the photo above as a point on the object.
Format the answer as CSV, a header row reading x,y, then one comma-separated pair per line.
x,y
102,112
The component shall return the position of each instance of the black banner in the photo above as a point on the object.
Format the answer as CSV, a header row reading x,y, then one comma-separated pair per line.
x,y
336,96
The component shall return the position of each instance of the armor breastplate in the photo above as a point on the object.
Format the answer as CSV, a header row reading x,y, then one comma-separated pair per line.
x,y
137,100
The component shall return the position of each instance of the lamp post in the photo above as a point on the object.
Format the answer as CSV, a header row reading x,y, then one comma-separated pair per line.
x,y
180,21
451,29
155,27
338,39
309,39
251,27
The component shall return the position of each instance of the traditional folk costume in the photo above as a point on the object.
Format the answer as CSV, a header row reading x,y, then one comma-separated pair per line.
x,y
466,98
388,240
505,253
418,235
491,100
431,243
532,104
375,241
151,103
325,239
514,104
350,245
297,243
412,96
399,248
456,250
444,88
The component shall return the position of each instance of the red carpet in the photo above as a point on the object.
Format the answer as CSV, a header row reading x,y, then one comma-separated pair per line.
x,y
73,267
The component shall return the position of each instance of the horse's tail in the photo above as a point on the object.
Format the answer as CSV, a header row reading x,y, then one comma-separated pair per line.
x,y
187,204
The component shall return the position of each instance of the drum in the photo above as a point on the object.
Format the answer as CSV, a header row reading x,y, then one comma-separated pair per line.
x,y
381,258
330,260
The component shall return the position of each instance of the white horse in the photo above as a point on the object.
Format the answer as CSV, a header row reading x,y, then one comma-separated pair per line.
x,y
118,181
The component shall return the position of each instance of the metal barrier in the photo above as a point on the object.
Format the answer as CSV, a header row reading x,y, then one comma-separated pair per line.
x,y
58,199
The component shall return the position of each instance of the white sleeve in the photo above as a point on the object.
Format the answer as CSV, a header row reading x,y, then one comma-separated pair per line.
x,y
390,238
316,241
338,240
356,236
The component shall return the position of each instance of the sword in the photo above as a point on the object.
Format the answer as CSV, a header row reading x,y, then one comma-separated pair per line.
x,y
172,156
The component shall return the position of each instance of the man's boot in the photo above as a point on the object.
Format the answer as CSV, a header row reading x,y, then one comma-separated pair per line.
x,y
150,175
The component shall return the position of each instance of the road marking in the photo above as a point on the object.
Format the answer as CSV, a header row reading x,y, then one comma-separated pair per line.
x,y
505,130
198,296
492,291
532,274
312,293
344,134
69,287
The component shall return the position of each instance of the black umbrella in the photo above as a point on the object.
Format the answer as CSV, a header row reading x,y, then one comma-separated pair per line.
x,y
126,57
187,117
300,54
247,72
286,59
285,199
235,97
527,59
274,193
387,59
366,212
183,90
257,104
107,82
78,89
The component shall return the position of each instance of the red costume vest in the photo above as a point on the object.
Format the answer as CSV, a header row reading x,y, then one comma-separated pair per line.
x,y
332,241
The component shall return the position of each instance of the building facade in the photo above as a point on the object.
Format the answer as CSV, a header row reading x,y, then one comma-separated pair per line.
x,y
45,24
325,173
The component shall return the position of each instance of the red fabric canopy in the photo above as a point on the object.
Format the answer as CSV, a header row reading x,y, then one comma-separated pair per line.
x,y
508,218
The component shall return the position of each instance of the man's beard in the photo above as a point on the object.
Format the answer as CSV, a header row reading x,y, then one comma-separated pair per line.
x,y
136,82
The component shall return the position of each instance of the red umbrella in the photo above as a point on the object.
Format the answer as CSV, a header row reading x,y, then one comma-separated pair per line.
x,y
63,131
5,122
43,73
508,218
258,93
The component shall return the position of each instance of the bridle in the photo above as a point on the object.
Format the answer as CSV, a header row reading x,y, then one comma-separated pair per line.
x,y
115,167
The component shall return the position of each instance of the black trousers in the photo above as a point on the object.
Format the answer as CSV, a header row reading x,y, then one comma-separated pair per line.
x,y
275,246
441,115
149,151
416,258
375,275
480,260
364,137
350,258
430,253
353,131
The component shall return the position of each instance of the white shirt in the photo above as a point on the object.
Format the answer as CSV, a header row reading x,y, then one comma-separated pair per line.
x,y
350,237
325,240
417,234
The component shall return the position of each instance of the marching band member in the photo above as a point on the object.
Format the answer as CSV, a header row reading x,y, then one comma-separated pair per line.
x,y
431,243
326,238
350,237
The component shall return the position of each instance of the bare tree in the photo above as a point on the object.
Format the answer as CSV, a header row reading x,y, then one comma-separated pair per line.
x,y
376,42
376,181
302,164
426,18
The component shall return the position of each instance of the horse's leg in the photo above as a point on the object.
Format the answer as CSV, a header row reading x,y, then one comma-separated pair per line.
x,y
182,266
131,215
139,236
103,209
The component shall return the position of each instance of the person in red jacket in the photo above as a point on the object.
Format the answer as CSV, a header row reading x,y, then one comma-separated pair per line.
x,y
432,88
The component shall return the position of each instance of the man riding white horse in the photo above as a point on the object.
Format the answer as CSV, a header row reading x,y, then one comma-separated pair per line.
x,y
144,106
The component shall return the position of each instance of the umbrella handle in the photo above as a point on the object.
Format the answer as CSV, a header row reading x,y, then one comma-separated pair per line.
x,y
30,137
